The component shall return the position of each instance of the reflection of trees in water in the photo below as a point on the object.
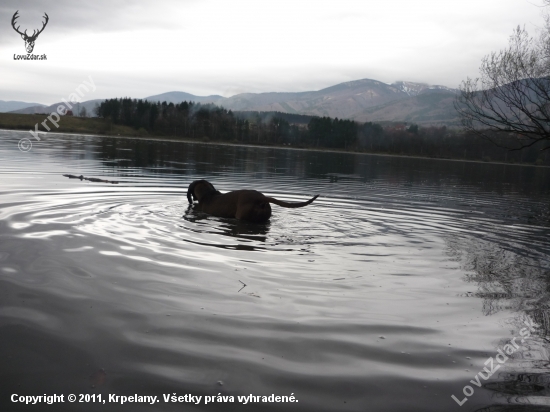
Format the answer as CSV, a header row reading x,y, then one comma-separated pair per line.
x,y
523,381
507,278
511,278
180,158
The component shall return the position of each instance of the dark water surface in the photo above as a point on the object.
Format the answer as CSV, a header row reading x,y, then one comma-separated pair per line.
x,y
389,293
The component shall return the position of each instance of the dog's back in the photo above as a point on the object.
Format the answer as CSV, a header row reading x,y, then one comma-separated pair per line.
x,y
249,205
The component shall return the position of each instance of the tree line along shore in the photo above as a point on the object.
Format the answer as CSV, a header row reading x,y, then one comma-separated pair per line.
x,y
209,123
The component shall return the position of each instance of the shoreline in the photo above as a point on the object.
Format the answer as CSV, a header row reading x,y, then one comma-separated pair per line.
x,y
200,141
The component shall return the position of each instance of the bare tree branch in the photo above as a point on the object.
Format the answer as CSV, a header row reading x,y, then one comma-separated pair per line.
x,y
512,95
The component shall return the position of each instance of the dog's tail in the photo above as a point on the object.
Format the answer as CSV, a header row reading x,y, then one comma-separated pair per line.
x,y
289,204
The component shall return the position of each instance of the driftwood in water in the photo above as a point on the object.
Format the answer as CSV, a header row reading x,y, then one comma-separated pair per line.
x,y
91,179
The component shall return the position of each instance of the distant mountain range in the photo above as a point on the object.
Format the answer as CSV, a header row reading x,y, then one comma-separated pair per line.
x,y
179,97
361,100
34,108
11,105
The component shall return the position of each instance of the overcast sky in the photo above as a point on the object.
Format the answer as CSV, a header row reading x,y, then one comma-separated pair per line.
x,y
224,47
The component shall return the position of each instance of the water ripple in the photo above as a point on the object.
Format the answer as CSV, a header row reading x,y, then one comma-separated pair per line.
x,y
387,291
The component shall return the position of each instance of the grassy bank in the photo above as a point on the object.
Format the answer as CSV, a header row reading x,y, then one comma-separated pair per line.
x,y
67,124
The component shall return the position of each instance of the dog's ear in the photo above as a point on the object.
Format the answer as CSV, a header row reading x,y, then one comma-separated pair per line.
x,y
190,192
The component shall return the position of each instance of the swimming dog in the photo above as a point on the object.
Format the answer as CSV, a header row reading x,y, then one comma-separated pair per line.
x,y
249,205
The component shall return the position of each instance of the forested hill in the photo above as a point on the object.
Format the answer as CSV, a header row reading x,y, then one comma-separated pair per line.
x,y
209,122
297,119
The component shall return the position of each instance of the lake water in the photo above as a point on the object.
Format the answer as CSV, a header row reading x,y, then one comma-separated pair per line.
x,y
389,293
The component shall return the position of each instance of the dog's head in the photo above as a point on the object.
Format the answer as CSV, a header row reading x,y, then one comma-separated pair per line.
x,y
198,189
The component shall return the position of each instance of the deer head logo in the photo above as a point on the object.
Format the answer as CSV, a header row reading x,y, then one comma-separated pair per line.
x,y
29,40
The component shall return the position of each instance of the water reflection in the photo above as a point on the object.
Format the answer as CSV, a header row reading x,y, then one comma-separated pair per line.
x,y
508,277
165,157
392,291
227,227
512,278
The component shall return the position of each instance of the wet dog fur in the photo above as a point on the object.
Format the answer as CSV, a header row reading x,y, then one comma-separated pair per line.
x,y
249,205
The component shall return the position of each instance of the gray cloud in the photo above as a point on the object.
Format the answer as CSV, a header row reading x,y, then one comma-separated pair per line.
x,y
217,47
101,16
